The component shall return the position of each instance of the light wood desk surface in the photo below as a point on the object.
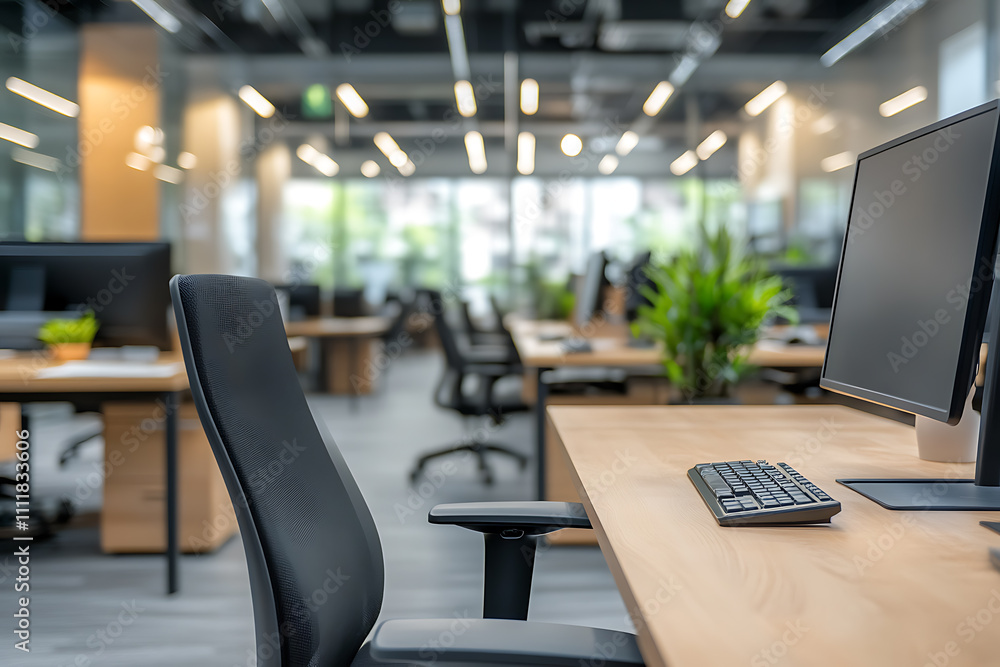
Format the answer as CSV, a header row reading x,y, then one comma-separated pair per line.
x,y
339,327
18,373
610,348
874,588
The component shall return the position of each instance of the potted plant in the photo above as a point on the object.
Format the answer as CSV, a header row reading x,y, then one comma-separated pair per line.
x,y
708,306
69,339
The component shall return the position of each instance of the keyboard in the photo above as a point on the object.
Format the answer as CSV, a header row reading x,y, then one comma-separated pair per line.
x,y
576,345
754,493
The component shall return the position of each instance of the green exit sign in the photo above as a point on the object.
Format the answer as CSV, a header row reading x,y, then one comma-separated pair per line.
x,y
316,102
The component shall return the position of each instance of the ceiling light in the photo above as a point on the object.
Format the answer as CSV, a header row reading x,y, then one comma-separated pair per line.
x,y
46,162
370,169
354,102
627,142
525,153
456,47
607,165
318,160
41,96
163,18
156,154
658,98
306,153
476,149
529,97
836,162
386,144
18,136
571,145
256,101
766,98
187,160
137,161
712,143
736,7
894,14
451,7
465,98
389,148
825,124
684,163
407,168
326,165
904,101
168,173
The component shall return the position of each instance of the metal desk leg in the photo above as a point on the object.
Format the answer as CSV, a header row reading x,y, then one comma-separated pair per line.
x,y
173,548
355,387
541,395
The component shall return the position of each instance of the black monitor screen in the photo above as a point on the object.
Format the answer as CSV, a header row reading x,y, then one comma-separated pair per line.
x,y
909,306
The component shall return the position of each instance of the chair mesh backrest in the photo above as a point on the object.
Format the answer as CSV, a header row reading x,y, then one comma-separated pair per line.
x,y
436,306
315,560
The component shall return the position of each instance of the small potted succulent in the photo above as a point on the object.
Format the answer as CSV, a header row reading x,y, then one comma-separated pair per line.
x,y
708,306
69,339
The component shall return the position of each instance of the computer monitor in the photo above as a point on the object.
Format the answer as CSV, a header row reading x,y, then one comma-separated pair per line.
x,y
125,284
913,289
588,295
812,290
635,280
349,302
303,300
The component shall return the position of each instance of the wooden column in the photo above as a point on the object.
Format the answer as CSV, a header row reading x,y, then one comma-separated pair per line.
x,y
119,91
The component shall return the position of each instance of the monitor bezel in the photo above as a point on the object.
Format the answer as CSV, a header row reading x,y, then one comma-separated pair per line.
x,y
976,310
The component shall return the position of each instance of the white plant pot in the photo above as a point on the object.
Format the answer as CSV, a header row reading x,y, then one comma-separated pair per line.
x,y
937,441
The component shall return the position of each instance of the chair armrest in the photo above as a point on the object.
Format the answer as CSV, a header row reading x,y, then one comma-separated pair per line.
x,y
531,517
492,641
489,370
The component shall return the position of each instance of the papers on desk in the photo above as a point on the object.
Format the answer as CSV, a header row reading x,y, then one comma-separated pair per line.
x,y
110,369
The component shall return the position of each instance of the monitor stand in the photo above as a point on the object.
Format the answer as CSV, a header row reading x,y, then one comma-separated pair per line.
x,y
980,494
927,494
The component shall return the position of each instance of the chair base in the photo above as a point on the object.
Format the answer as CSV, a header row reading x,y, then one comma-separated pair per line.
x,y
480,450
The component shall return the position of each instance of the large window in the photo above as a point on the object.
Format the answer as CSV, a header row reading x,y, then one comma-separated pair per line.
x,y
481,234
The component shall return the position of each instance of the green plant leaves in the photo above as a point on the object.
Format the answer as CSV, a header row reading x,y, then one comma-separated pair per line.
x,y
80,330
708,307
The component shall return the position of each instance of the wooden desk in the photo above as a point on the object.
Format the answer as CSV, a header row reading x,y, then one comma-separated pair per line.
x,y
874,588
610,348
19,383
341,348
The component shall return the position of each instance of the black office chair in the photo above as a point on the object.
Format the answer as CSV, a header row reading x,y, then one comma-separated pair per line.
x,y
485,368
309,529
479,336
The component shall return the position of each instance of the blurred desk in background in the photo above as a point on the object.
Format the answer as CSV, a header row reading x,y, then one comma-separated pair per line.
x,y
160,390
346,350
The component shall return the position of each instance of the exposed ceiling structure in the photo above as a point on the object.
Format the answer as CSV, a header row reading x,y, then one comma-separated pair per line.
x,y
596,61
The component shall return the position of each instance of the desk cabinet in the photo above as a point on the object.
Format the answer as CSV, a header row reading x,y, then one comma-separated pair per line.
x,y
132,518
